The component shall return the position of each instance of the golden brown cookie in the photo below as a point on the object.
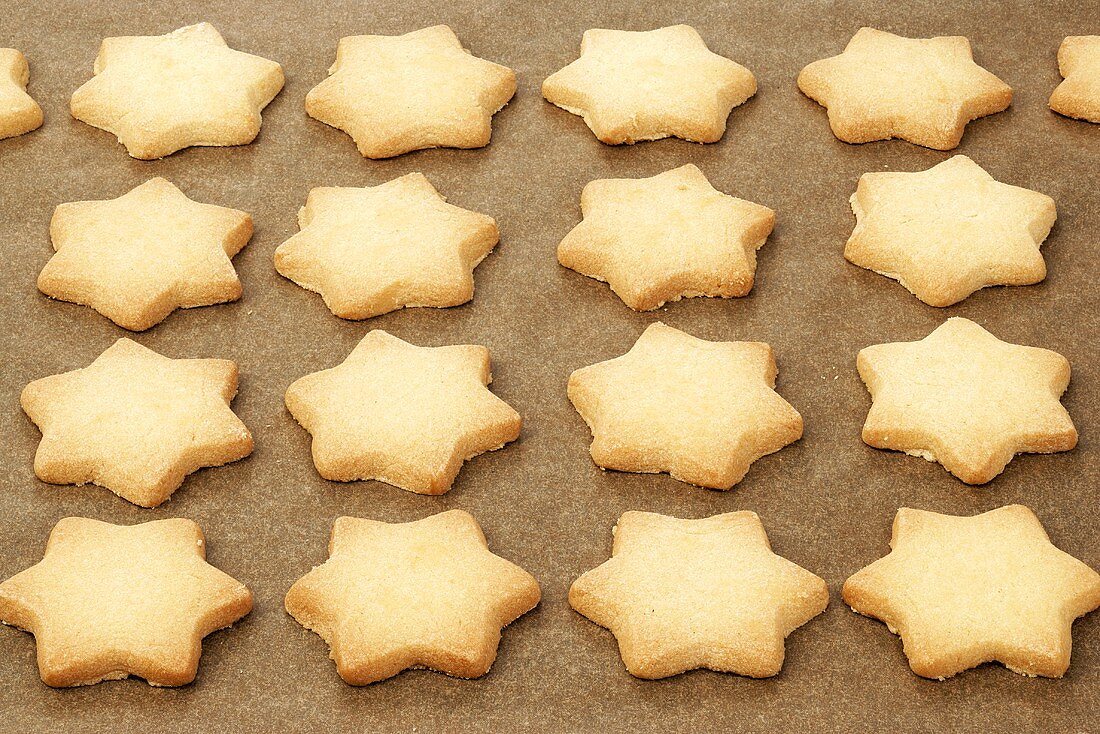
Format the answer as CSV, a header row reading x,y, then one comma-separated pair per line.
x,y
18,112
1079,93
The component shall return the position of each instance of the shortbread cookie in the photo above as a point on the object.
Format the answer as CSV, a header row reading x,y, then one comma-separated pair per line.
x,y
1079,94
402,414
18,112
684,594
377,249
395,94
633,86
424,594
110,601
701,411
966,399
962,591
923,90
667,237
949,231
160,94
135,422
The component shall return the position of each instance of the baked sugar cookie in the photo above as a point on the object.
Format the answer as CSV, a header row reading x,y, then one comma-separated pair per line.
x,y
632,86
18,112
1079,93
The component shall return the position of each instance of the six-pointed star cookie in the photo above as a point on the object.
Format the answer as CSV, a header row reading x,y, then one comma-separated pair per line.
x,y
110,601
966,399
402,414
1079,93
962,591
137,258
160,94
667,237
702,411
136,422
949,231
373,250
18,112
395,94
923,90
424,594
632,86
709,593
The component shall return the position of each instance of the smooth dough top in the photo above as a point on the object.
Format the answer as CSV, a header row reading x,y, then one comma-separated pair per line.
x,y
18,112
1079,93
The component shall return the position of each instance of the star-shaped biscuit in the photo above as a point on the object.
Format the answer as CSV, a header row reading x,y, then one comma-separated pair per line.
x,y
709,593
1079,93
111,601
369,251
949,231
966,399
667,237
402,414
962,591
702,411
923,90
18,112
137,258
395,94
424,594
160,94
632,86
136,422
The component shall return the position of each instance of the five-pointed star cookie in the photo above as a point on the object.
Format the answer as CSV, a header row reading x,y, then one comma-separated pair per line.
x,y
966,399
949,231
111,601
136,422
702,411
402,414
632,86
962,591
684,594
137,258
667,237
373,250
923,90
424,594
160,94
18,112
1079,93
395,94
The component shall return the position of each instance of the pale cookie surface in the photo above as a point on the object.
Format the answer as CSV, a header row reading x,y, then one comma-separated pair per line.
x,y
138,258
684,594
159,94
111,601
666,237
395,94
923,90
962,591
424,594
631,86
949,231
966,399
18,112
402,414
136,422
369,251
702,411
1079,94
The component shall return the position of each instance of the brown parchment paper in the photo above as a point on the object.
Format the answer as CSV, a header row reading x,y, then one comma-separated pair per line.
x,y
827,501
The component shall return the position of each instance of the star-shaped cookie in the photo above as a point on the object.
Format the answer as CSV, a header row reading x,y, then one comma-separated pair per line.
x,y
632,86
160,94
369,251
666,237
402,414
111,601
966,399
18,112
395,94
962,591
136,422
923,90
424,594
949,231
138,258
684,594
702,411
1079,93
